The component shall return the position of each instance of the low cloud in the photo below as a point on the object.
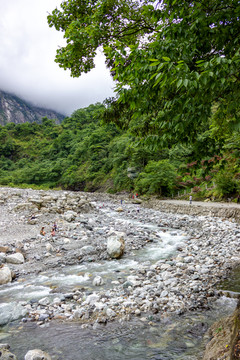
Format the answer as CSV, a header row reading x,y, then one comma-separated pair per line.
x,y
27,67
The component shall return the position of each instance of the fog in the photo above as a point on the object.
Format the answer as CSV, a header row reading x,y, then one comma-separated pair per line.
x,y
27,67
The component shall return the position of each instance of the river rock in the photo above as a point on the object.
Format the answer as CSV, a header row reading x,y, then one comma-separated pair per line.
x,y
5,275
44,301
92,299
49,247
97,281
4,347
110,313
115,246
136,201
16,258
86,250
4,249
11,312
2,258
70,215
37,354
5,354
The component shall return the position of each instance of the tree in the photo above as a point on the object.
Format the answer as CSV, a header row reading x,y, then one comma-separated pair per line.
x,y
84,117
173,61
225,182
88,25
159,177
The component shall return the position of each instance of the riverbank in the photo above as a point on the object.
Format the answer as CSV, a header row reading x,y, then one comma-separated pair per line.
x,y
223,337
203,248
196,208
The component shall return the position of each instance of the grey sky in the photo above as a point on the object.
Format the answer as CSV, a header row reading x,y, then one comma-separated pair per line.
x,y
27,67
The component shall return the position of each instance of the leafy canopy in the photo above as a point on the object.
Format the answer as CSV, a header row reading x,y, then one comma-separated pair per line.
x,y
88,25
173,61
159,177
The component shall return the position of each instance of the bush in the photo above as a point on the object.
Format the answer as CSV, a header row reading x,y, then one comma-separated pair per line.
x,y
225,183
159,178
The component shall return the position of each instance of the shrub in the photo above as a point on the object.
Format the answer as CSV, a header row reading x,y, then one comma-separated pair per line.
x,y
159,177
225,182
196,189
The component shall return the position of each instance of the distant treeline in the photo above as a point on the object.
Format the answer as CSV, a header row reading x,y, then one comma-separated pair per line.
x,y
89,153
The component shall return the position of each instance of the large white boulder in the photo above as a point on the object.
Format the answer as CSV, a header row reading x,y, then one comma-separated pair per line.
x,y
37,354
5,275
115,246
16,258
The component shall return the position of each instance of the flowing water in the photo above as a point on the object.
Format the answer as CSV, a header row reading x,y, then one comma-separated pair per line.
x,y
164,246
175,338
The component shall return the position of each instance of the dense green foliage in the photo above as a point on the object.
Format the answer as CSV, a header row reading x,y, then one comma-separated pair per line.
x,y
83,153
176,63
173,128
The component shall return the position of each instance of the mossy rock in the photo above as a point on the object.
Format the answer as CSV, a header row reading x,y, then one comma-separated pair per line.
x,y
224,338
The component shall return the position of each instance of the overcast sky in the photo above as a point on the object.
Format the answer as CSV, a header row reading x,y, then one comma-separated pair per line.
x,y
27,67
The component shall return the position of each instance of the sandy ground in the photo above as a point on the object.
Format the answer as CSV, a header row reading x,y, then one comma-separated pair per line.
x,y
14,226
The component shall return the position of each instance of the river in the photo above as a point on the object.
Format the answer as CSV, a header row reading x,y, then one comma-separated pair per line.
x,y
168,337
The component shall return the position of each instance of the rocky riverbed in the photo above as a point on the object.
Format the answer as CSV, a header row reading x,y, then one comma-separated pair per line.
x,y
203,250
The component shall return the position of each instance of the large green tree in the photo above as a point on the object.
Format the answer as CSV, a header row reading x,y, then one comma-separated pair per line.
x,y
173,61
88,25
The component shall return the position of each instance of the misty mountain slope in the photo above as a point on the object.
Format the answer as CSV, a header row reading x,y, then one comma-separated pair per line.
x,y
13,109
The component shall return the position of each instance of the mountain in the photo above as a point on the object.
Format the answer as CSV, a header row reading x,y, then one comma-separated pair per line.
x,y
13,109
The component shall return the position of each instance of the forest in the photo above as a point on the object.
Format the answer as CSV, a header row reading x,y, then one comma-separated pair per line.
x,y
173,127
87,153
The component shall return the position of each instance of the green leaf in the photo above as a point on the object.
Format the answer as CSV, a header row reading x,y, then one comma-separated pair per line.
x,y
195,83
166,58
179,83
154,64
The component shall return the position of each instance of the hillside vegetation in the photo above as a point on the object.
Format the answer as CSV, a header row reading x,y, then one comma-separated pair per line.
x,y
86,153
174,126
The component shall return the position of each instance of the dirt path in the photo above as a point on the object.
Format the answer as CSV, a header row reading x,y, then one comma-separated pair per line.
x,y
229,211
206,204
